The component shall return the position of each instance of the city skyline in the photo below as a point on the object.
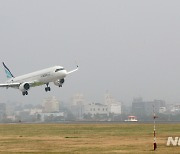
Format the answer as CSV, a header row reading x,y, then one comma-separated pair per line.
x,y
80,97
78,109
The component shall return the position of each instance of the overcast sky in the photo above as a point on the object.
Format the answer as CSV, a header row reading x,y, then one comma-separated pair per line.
x,y
129,47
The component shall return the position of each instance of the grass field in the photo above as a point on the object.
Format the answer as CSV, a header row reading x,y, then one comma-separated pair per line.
x,y
86,138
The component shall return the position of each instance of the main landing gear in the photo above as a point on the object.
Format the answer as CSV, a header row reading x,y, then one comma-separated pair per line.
x,y
47,88
24,93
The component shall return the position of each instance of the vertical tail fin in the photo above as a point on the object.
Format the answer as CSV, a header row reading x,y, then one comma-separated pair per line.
x,y
8,72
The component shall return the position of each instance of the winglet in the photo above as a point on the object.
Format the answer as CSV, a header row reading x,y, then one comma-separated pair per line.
x,y
8,72
73,70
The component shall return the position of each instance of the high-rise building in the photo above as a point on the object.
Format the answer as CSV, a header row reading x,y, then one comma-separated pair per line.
x,y
77,107
138,107
51,104
108,99
141,108
113,105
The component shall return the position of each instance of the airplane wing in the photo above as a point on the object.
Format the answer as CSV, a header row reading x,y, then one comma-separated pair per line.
x,y
73,70
35,83
12,85
16,85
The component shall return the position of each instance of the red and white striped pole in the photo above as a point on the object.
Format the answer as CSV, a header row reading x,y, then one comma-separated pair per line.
x,y
155,144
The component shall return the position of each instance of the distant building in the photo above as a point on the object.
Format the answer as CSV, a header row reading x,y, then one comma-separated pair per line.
x,y
115,108
141,108
2,111
77,106
78,99
50,116
51,105
175,109
10,110
157,105
96,108
138,108
35,111
162,110
108,99
12,118
113,105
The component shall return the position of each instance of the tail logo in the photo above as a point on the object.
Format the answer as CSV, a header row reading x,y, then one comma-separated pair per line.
x,y
8,72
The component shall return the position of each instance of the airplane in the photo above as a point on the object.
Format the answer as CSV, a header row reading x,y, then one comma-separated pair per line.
x,y
54,74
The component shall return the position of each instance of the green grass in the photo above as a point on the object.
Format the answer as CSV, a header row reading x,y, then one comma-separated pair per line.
x,y
86,138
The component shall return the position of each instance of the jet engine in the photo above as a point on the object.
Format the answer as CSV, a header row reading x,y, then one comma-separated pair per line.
x,y
24,87
59,82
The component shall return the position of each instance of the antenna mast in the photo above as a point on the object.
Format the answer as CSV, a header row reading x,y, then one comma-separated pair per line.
x,y
154,117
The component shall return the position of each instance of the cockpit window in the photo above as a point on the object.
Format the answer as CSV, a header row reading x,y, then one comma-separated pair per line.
x,y
59,69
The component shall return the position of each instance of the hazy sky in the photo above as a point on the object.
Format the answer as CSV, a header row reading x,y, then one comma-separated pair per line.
x,y
129,47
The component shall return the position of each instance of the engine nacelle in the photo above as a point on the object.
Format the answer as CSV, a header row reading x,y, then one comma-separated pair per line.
x,y
59,82
24,87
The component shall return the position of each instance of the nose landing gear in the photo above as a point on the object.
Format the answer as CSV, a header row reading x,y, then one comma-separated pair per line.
x,y
47,88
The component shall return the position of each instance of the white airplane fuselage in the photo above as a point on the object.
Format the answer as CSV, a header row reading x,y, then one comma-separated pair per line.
x,y
43,76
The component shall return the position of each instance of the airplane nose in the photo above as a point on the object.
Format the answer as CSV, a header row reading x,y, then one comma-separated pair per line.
x,y
65,73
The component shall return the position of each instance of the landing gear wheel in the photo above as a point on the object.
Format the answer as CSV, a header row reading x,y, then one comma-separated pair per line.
x,y
47,89
24,93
